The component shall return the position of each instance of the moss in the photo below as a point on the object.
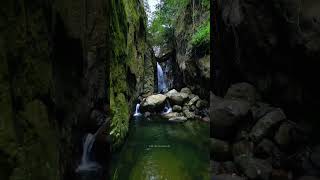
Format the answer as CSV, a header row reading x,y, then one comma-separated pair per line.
x,y
128,48
120,119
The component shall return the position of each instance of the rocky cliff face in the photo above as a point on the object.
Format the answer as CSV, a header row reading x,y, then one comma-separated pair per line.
x,y
188,63
131,62
275,46
57,61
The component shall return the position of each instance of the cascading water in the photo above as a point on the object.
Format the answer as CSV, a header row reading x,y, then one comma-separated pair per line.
x,y
167,109
87,164
137,112
88,168
162,87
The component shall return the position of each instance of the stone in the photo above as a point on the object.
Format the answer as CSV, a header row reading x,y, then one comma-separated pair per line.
x,y
192,108
186,90
266,123
201,103
171,115
244,91
267,149
206,119
254,168
177,108
283,136
153,103
189,114
191,96
260,109
193,100
226,115
220,150
177,97
243,147
178,119
147,114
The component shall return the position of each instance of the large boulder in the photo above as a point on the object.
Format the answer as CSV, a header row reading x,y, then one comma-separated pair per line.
x,y
243,91
176,97
243,147
284,135
225,115
177,108
193,100
153,103
262,128
186,90
254,168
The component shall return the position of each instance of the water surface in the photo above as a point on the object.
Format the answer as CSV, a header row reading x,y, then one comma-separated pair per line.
x,y
158,150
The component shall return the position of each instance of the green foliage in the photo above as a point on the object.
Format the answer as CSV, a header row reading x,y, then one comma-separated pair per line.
x,y
161,29
202,34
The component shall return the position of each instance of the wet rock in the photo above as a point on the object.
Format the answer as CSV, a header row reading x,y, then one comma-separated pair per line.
x,y
177,108
177,97
186,90
243,91
147,114
267,149
283,136
227,177
201,103
171,115
178,119
153,103
193,108
225,115
260,109
193,100
189,114
206,119
266,123
243,147
191,96
220,150
254,168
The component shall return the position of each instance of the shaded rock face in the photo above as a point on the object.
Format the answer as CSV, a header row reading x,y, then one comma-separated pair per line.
x,y
54,75
274,45
259,138
131,62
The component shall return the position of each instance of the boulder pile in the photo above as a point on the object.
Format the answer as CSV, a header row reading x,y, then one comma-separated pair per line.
x,y
253,140
185,106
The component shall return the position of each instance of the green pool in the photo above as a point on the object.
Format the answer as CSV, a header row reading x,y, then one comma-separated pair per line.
x,y
158,150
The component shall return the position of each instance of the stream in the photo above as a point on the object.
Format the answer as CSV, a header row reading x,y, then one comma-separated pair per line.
x,y
158,150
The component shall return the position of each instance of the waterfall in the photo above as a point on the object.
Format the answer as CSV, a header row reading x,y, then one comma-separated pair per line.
x,y
137,112
167,109
162,87
87,163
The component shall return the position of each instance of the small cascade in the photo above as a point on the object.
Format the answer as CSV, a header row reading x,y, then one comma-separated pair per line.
x,y
162,87
167,109
137,112
87,164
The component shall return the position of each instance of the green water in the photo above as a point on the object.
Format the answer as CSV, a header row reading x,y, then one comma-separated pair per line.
x,y
158,150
